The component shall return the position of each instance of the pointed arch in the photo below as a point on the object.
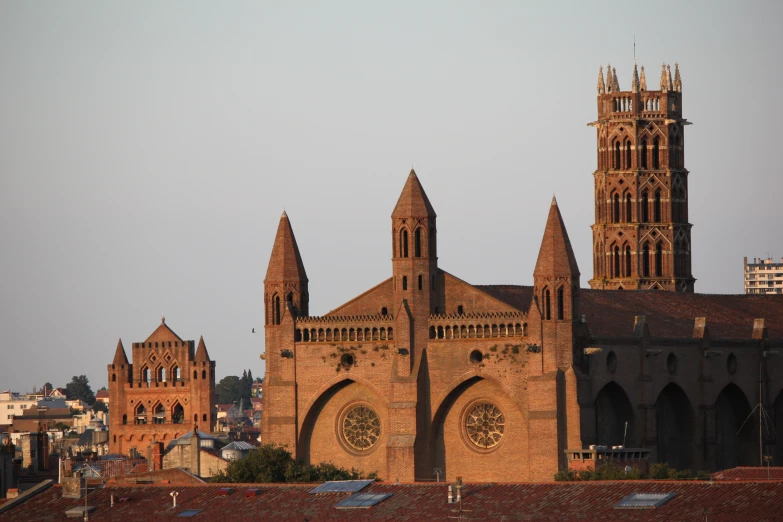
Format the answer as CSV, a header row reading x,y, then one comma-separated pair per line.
x,y
643,153
628,155
659,259
646,260
417,242
674,421
158,413
736,442
627,261
276,311
616,261
616,162
177,413
404,242
560,304
656,160
616,208
657,206
140,414
612,410
644,206
628,208
547,307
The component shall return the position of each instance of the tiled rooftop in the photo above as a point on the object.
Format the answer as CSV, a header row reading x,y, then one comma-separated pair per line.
x,y
750,473
669,314
589,501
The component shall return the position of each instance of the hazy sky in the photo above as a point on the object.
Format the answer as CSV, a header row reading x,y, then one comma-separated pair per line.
x,y
147,150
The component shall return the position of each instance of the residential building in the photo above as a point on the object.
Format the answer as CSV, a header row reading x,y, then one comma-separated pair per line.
x,y
13,404
763,276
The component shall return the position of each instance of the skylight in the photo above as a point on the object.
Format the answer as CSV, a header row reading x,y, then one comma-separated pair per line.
x,y
190,512
342,486
362,500
644,500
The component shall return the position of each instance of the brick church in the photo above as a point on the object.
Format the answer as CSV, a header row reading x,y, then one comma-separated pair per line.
x,y
427,376
167,388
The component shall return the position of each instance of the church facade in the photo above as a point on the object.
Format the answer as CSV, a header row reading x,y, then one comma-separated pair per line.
x,y
426,376
166,388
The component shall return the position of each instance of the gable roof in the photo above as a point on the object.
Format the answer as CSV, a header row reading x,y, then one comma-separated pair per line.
x,y
163,333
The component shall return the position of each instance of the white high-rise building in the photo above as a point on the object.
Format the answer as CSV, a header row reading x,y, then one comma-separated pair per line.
x,y
763,276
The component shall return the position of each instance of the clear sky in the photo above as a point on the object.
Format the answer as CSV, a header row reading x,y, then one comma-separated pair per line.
x,y
147,150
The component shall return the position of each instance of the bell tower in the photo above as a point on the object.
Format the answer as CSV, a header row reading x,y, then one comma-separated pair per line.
x,y
415,256
641,235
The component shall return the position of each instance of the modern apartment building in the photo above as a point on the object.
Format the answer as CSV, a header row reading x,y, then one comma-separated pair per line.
x,y
763,276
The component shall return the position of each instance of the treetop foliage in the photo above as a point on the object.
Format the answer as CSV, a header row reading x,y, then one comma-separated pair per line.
x,y
79,388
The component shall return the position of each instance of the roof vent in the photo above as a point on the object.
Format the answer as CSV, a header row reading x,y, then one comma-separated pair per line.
x,y
644,500
225,491
252,492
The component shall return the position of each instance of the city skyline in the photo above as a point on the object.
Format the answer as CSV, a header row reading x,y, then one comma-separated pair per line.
x,y
148,151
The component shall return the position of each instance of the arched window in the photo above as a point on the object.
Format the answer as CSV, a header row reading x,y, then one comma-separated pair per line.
x,y
547,306
204,417
646,260
645,206
159,415
113,377
384,311
146,375
627,261
616,208
125,419
161,377
404,244
176,373
628,209
276,319
404,282
657,207
628,161
655,160
616,164
643,153
560,304
460,310
417,243
421,282
140,414
178,414
195,374
616,261
659,258
203,374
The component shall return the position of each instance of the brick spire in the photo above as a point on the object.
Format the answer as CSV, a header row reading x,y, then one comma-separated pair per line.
x,y
201,351
609,80
635,79
615,80
643,81
601,85
119,355
413,201
677,79
556,257
285,264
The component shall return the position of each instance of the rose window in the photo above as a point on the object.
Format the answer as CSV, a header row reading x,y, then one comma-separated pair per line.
x,y
361,428
485,425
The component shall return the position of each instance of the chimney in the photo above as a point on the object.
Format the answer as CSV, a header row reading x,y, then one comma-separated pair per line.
x,y
157,456
458,487
451,495
195,453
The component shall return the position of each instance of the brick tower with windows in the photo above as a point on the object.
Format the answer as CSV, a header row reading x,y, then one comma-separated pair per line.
x,y
641,235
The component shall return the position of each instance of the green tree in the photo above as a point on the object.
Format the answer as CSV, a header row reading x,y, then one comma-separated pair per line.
x,y
270,463
233,389
99,406
79,388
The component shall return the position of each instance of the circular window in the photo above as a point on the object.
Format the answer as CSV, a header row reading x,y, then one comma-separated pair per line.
x,y
476,356
485,425
671,363
346,360
731,364
611,362
361,428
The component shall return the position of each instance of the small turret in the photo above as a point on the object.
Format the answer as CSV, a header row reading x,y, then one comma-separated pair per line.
x,y
609,80
664,83
669,83
643,81
615,80
677,79
601,85
635,80
286,280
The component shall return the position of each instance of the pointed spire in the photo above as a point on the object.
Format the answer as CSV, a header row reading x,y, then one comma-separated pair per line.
x,y
556,257
616,82
643,81
609,81
663,78
669,83
635,79
119,354
677,79
413,201
285,264
201,351
601,85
